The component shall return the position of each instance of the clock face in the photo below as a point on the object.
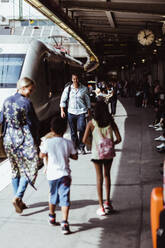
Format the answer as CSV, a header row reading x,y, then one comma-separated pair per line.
x,y
146,37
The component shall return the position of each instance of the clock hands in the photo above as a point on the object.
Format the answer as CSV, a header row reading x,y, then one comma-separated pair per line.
x,y
146,35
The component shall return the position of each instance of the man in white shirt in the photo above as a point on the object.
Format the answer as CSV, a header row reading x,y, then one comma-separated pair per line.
x,y
79,105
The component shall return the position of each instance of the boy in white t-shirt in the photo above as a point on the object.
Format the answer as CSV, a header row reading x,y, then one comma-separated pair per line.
x,y
58,150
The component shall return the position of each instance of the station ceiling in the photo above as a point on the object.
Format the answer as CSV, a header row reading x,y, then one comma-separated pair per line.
x,y
110,28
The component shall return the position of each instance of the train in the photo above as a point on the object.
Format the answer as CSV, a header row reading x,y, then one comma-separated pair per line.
x,y
49,67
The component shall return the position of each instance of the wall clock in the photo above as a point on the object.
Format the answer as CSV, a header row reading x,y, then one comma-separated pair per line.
x,y
145,37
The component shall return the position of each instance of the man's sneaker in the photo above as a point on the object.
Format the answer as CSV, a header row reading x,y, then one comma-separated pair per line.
x,y
157,125
17,203
161,146
52,219
160,138
159,129
100,212
108,207
151,125
65,227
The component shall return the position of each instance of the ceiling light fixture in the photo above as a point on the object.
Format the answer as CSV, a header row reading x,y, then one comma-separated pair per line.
x,y
154,51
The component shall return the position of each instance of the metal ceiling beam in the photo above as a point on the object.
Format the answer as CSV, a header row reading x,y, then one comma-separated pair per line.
x,y
86,18
110,19
147,8
53,7
112,31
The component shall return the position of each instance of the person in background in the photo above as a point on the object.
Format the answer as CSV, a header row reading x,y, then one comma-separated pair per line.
x,y
101,94
102,123
125,88
21,140
146,93
78,106
113,99
57,150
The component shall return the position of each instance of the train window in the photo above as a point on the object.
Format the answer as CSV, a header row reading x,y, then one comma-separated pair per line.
x,y
10,69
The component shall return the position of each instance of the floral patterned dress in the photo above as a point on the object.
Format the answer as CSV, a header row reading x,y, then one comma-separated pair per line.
x,y
19,123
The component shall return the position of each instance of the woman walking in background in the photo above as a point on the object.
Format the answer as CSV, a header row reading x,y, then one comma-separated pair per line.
x,y
102,128
20,138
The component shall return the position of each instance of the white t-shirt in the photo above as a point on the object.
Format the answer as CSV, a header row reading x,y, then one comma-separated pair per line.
x,y
58,149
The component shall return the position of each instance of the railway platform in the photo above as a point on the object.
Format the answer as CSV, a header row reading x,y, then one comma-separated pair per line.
x,y
135,172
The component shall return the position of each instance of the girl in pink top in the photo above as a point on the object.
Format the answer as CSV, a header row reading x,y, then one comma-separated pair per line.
x,y
102,126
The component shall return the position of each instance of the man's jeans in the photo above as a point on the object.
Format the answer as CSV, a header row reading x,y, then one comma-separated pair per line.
x,y
77,123
19,186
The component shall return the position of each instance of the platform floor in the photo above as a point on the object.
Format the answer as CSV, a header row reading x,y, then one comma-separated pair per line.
x,y
135,172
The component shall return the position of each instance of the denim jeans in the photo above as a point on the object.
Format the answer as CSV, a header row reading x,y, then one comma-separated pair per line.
x,y
77,124
19,186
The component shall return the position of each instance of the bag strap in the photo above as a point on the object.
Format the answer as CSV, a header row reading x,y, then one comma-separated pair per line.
x,y
69,89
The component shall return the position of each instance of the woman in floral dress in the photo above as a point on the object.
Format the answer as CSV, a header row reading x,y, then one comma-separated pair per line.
x,y
20,138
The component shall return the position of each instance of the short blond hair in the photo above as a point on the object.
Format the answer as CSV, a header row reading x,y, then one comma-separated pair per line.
x,y
24,82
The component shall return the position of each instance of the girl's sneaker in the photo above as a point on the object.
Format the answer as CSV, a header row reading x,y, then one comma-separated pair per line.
x,y
65,227
108,207
100,212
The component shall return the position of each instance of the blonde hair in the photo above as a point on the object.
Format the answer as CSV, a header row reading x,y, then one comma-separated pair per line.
x,y
24,82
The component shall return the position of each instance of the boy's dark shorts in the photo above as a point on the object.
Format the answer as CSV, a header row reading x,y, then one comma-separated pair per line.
x,y
60,191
